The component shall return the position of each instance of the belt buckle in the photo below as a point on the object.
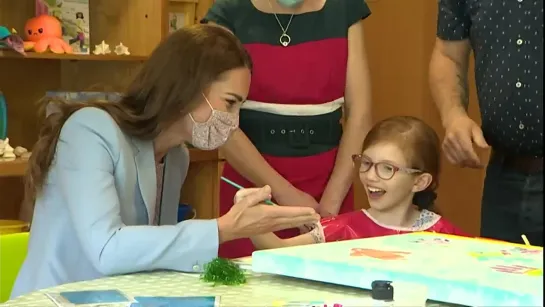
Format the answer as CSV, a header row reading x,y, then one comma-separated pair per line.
x,y
299,138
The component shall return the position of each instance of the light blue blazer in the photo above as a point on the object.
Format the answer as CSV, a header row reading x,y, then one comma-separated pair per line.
x,y
93,217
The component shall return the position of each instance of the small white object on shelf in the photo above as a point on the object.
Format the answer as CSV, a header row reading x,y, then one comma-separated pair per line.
x,y
121,49
102,48
19,151
8,153
26,155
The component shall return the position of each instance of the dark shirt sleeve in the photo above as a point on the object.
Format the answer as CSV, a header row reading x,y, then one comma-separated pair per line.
x,y
356,10
219,14
453,21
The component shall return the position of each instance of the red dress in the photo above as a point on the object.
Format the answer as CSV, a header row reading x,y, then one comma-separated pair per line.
x,y
359,225
293,111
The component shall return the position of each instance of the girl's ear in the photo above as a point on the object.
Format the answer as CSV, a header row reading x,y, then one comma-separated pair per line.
x,y
422,182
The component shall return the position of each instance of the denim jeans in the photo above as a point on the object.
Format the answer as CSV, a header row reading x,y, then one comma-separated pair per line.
x,y
512,204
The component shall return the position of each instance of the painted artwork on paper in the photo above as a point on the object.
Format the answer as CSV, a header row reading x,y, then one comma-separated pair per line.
x,y
176,21
74,18
378,254
456,270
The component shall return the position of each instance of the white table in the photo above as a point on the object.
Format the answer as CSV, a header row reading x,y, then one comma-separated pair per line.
x,y
260,290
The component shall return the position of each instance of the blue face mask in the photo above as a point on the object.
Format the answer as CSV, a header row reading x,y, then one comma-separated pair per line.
x,y
290,3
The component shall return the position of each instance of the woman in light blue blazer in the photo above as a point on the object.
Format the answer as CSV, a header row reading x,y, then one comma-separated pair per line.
x,y
105,178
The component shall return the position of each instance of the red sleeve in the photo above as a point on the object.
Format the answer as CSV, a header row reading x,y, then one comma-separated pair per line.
x,y
446,227
347,226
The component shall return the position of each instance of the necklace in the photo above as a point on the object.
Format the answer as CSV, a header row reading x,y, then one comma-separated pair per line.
x,y
284,39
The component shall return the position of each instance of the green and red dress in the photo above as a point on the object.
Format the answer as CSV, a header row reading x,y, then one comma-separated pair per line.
x,y
294,108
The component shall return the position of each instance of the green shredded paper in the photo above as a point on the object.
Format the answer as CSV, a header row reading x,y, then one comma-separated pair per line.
x,y
223,272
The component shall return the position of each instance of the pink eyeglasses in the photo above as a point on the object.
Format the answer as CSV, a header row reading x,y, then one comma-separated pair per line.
x,y
384,170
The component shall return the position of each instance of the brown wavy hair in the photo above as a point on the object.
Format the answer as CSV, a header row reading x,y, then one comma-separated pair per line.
x,y
169,85
420,145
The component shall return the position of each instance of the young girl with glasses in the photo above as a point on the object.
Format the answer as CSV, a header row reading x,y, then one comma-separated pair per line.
x,y
399,169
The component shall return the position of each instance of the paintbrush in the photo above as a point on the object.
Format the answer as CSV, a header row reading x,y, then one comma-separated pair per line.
x,y
238,186
525,239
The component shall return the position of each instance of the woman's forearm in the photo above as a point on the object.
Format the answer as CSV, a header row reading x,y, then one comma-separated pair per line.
x,y
247,161
342,176
358,122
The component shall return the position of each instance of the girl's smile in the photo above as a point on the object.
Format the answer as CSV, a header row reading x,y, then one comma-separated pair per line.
x,y
374,192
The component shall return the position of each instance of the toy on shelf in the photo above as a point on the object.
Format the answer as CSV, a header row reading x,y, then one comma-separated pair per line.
x,y
74,18
121,49
44,33
102,48
8,153
11,40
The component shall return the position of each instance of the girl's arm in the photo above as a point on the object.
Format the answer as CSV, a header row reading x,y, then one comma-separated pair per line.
x,y
347,226
270,241
357,124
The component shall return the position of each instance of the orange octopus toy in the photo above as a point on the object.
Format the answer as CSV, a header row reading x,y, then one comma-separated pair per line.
x,y
44,33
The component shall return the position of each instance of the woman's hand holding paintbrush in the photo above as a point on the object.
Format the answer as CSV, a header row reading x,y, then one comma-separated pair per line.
x,y
251,215
239,187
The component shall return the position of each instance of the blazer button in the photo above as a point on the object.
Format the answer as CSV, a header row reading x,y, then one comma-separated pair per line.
x,y
196,268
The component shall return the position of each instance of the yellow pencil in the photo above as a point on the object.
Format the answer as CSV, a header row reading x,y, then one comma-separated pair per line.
x,y
525,240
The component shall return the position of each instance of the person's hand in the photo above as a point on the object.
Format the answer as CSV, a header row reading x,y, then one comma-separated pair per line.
x,y
249,216
295,197
460,135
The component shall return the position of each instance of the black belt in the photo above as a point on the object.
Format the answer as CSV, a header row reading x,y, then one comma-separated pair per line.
x,y
292,136
519,163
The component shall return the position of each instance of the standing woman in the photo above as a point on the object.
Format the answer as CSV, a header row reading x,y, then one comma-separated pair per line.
x,y
309,64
